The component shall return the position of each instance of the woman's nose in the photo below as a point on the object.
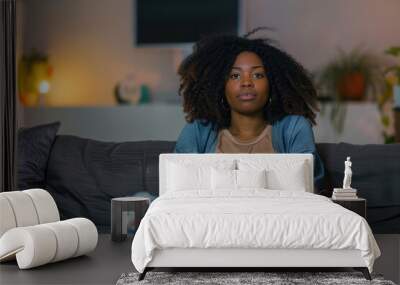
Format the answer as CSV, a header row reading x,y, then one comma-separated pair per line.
x,y
246,81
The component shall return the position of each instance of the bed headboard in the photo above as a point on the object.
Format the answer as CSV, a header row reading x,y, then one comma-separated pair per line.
x,y
269,158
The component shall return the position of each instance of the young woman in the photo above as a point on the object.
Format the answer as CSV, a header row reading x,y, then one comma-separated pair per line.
x,y
243,95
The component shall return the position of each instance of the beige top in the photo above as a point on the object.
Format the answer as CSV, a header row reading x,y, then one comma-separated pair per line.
x,y
227,143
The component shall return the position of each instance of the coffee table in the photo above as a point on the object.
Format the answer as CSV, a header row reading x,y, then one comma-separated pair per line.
x,y
104,265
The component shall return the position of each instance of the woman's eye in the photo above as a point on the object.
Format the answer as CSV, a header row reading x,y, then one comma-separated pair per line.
x,y
258,75
234,76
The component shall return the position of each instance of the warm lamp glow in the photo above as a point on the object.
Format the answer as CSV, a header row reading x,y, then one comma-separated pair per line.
x,y
34,79
44,87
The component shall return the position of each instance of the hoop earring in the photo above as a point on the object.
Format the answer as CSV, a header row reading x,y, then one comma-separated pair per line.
x,y
224,104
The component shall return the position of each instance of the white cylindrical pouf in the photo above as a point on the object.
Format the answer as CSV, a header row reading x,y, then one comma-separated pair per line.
x,y
7,218
45,205
33,246
40,247
40,244
87,235
23,208
67,239
31,232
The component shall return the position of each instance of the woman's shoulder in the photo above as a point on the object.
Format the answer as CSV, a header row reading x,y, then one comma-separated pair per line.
x,y
197,136
292,122
199,126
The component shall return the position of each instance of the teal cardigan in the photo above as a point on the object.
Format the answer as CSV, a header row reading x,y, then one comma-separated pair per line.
x,y
291,134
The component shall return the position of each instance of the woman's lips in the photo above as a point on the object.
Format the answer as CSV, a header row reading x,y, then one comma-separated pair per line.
x,y
246,96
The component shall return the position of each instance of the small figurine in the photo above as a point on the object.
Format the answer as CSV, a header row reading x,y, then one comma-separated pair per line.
x,y
347,174
347,192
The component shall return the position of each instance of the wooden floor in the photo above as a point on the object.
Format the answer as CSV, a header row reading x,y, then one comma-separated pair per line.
x,y
102,266
389,262
111,259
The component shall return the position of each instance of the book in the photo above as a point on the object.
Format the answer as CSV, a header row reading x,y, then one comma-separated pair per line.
x,y
336,197
345,198
341,190
345,194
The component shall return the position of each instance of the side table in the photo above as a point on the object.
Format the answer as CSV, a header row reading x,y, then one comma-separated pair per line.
x,y
126,214
396,112
358,206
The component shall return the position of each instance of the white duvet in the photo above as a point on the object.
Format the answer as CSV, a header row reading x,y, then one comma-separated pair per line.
x,y
253,218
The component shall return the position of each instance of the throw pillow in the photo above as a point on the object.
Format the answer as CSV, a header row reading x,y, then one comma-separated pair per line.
x,y
291,175
183,178
34,146
223,179
184,173
251,178
236,179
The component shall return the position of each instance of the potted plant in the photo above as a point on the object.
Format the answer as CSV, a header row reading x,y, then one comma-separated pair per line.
x,y
34,74
350,76
390,98
395,71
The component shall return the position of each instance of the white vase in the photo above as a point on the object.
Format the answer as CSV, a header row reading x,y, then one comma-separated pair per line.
x,y
396,96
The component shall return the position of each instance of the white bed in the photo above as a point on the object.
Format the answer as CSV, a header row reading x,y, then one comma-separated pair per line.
x,y
202,220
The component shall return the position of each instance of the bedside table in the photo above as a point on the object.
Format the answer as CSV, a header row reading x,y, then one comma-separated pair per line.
x,y
126,214
358,206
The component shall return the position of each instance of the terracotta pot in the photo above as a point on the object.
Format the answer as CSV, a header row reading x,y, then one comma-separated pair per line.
x,y
352,87
29,99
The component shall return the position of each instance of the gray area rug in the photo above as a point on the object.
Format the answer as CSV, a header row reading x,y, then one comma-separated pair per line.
x,y
225,278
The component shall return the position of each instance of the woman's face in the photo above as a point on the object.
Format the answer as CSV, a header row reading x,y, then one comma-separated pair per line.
x,y
247,87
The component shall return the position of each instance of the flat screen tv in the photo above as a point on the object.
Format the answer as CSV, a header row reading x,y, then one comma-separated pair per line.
x,y
180,22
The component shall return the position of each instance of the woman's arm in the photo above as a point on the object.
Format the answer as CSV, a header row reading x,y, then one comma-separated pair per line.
x,y
197,137
300,139
187,142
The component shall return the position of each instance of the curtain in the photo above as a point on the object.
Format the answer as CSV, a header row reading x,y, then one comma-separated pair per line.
x,y
8,95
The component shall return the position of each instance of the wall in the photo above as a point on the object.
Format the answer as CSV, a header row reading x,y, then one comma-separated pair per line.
x,y
313,30
119,123
361,124
90,44
165,121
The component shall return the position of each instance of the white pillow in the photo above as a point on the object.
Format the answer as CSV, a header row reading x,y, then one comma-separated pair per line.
x,y
186,174
288,177
251,178
236,179
291,175
223,179
181,177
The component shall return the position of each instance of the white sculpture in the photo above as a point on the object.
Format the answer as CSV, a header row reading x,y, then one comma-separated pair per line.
x,y
347,174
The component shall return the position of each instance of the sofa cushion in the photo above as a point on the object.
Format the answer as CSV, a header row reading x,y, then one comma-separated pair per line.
x,y
34,145
83,174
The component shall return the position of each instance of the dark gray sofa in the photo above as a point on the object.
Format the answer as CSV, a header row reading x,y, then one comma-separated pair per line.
x,y
376,175
83,175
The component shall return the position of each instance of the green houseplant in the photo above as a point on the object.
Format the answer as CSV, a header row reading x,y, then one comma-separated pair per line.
x,y
350,76
394,51
391,94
